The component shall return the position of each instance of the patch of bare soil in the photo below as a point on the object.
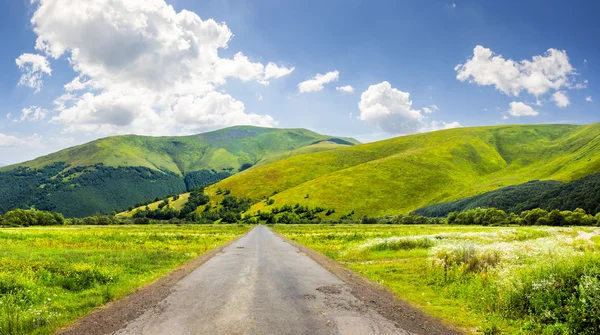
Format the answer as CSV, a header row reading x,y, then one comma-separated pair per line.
x,y
379,298
116,315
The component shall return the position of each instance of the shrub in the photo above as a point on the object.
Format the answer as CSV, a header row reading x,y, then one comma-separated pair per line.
x,y
400,243
467,257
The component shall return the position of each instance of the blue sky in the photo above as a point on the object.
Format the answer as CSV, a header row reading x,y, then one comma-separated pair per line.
x,y
399,57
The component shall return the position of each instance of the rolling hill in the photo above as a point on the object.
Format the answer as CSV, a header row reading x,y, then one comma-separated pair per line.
x,y
403,174
117,172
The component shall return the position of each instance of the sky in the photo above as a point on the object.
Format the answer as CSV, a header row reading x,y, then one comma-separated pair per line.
x,y
74,71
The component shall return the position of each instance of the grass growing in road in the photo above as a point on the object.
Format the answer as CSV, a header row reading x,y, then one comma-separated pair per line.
x,y
51,276
491,280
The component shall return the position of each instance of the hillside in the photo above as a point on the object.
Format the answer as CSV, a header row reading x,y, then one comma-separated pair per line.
x,y
118,172
581,193
405,173
225,149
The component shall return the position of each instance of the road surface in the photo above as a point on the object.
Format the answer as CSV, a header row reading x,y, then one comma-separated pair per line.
x,y
260,285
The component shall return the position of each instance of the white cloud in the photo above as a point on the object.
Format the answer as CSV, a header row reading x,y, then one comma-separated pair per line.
x,y
33,113
274,71
453,5
439,125
391,110
9,141
316,83
578,86
537,76
345,89
430,109
77,85
215,109
147,59
521,109
588,99
560,99
259,97
33,68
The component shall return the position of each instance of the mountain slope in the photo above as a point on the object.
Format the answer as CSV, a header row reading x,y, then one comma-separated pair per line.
x,y
581,193
117,172
405,173
228,148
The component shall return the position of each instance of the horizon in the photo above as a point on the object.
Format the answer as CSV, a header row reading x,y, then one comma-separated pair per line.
x,y
278,128
442,64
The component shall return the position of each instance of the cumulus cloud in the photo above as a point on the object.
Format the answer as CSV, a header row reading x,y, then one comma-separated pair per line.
x,y
588,99
537,76
560,99
521,109
391,110
215,109
316,83
33,68
345,89
136,60
33,113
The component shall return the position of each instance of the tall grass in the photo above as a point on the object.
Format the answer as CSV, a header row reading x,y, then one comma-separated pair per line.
x,y
523,280
400,243
50,276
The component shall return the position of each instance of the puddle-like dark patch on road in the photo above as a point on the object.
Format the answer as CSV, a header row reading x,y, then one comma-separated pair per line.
x,y
329,289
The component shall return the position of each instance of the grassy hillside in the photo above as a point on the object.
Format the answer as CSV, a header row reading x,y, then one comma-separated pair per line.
x,y
581,193
115,173
405,173
227,149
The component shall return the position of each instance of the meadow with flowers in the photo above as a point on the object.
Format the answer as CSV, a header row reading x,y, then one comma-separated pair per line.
x,y
490,280
50,276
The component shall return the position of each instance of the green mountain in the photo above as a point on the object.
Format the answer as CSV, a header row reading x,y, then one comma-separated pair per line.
x,y
117,172
581,193
403,174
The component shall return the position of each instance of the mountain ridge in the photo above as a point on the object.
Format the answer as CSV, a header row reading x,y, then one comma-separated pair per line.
x,y
402,174
160,152
114,173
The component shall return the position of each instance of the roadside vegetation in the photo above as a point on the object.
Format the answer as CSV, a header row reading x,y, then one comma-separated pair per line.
x,y
50,276
490,280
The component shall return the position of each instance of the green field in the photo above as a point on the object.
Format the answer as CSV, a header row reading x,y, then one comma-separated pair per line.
x,y
402,174
51,276
492,280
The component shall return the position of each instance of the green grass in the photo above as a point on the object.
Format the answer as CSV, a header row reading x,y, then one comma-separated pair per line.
x,y
51,276
221,149
405,173
175,204
475,278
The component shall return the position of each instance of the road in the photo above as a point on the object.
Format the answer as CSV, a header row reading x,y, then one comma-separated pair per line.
x,y
260,285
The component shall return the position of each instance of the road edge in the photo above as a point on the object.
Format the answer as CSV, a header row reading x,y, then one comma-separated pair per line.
x,y
115,315
379,297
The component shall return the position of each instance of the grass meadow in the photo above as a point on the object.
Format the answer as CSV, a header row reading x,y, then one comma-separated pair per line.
x,y
51,276
491,280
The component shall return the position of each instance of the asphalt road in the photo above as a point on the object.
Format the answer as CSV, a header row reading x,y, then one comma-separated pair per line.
x,y
260,285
